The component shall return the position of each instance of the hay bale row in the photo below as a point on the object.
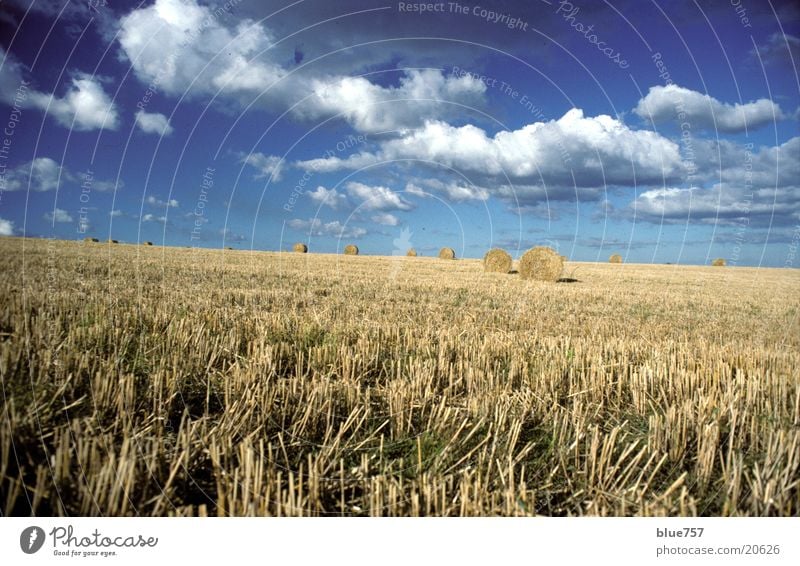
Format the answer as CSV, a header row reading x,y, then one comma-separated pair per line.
x,y
497,261
541,264
719,262
350,249
447,253
300,248
616,258
411,252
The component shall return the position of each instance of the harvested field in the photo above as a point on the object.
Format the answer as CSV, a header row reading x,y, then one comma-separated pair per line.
x,y
173,381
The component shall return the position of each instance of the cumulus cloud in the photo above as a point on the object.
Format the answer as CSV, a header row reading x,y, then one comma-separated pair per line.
x,y
180,46
317,227
327,197
590,152
723,203
157,202
386,219
734,163
377,197
42,174
778,48
6,227
153,123
58,215
372,108
267,165
154,218
664,103
85,105
451,190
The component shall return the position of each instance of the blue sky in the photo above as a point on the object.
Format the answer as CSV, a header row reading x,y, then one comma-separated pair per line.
x,y
667,132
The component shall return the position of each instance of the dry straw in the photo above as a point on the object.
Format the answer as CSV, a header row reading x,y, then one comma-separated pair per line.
x,y
616,258
719,262
542,264
411,252
350,249
300,248
447,253
497,261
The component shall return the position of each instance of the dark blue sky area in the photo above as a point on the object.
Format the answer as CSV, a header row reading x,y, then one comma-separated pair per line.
x,y
665,131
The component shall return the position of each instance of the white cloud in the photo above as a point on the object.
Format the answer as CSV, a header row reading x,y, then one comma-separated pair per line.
x,y
723,203
327,197
453,191
778,48
417,191
6,227
267,165
154,218
116,213
157,202
377,197
85,106
371,108
58,215
180,46
591,151
317,227
386,219
42,174
153,123
663,104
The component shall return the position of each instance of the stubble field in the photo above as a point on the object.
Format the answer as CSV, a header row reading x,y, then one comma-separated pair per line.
x,y
168,381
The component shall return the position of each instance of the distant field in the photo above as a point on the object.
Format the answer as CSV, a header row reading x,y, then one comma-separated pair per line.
x,y
168,381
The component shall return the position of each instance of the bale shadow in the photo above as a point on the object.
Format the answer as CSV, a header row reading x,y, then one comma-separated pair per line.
x,y
567,280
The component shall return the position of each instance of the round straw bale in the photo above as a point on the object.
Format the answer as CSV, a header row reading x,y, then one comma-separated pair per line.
x,y
497,261
411,252
541,263
447,253
350,249
719,262
300,248
616,258
148,243
113,241
90,239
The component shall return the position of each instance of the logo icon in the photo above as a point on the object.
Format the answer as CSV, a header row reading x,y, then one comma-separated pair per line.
x,y
31,540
